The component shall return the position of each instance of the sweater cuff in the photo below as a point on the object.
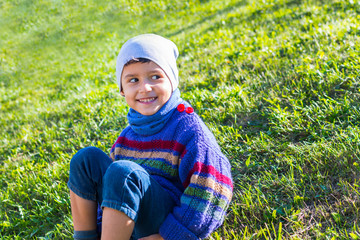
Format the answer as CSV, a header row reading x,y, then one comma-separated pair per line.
x,y
171,229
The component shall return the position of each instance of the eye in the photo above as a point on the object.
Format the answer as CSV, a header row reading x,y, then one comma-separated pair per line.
x,y
133,80
155,77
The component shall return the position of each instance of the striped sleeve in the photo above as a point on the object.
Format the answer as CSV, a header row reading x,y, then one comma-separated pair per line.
x,y
206,175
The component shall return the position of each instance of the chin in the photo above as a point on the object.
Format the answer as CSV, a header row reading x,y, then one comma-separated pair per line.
x,y
146,113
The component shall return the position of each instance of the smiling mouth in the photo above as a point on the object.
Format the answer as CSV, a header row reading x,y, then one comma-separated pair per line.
x,y
147,100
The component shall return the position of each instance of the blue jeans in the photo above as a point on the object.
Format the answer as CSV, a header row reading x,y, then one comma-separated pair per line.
x,y
121,185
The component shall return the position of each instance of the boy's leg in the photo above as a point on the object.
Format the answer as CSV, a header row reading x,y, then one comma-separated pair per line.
x,y
132,191
83,212
116,225
87,169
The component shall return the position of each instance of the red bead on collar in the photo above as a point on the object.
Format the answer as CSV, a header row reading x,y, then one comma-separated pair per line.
x,y
181,107
189,110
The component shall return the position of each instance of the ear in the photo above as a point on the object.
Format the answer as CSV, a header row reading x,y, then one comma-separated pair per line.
x,y
122,93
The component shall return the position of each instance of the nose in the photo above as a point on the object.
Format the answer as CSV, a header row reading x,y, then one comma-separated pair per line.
x,y
146,86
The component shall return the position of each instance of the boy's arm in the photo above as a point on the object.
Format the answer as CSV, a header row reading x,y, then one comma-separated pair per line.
x,y
206,175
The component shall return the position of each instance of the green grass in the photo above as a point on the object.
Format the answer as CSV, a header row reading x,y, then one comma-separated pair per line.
x,y
277,81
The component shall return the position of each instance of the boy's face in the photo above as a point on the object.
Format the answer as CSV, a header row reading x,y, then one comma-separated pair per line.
x,y
145,86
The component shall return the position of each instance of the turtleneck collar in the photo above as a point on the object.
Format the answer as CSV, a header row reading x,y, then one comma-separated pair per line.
x,y
149,125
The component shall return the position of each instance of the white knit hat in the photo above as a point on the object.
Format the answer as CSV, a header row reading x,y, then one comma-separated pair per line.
x,y
158,49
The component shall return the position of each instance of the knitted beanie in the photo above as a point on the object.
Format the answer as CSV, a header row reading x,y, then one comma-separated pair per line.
x,y
158,49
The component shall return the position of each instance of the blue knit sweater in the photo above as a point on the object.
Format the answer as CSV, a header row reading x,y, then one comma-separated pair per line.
x,y
186,160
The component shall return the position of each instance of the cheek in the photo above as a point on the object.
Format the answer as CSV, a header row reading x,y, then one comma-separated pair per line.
x,y
128,99
127,91
166,94
168,90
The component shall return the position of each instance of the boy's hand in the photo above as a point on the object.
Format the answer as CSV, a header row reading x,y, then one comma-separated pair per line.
x,y
152,237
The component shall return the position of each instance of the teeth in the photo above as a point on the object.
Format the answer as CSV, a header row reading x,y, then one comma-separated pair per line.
x,y
147,100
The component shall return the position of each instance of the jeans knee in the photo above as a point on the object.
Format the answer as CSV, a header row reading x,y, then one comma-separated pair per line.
x,y
123,170
84,157
125,184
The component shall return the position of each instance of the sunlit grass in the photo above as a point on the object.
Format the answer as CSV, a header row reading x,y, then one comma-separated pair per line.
x,y
276,81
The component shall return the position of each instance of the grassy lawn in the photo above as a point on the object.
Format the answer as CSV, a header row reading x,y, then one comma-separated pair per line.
x,y
277,81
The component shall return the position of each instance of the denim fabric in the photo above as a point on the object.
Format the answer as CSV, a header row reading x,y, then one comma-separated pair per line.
x,y
121,185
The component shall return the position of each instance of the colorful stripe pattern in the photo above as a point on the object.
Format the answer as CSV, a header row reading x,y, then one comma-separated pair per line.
x,y
157,157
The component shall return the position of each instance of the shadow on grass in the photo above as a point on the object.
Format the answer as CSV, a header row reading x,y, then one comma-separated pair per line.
x,y
208,18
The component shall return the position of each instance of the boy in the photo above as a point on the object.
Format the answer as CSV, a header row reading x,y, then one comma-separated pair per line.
x,y
166,177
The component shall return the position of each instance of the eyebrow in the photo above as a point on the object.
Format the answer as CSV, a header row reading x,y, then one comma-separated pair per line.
x,y
129,75
158,71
